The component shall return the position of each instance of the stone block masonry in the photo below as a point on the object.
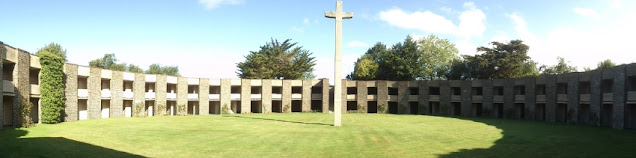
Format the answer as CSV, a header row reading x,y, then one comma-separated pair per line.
x,y
204,99
117,97
306,96
139,95
182,96
71,108
94,106
246,96
225,95
161,98
286,98
266,95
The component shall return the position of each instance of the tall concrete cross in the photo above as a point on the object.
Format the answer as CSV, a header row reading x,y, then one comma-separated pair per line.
x,y
337,91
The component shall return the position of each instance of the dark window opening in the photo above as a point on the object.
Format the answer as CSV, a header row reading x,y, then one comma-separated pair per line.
x,y
498,110
372,107
414,91
477,109
457,108
372,90
607,86
606,115
297,90
393,91
413,108
352,105
456,91
277,106
520,90
215,90
433,108
498,90
584,114
277,90
520,110
584,87
631,83
562,88
477,91
235,89
433,90
316,90
352,90
297,106
393,107
562,112
540,89
316,105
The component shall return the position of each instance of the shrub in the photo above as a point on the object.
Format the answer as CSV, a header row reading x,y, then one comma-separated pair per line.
x,y
25,114
225,109
382,108
161,109
181,110
286,108
361,109
52,87
139,109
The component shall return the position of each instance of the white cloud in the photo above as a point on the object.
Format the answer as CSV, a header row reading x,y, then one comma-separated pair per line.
x,y
616,4
356,44
471,21
298,29
447,10
306,21
211,4
521,28
585,12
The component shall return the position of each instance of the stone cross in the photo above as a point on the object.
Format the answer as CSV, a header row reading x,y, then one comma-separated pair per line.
x,y
337,97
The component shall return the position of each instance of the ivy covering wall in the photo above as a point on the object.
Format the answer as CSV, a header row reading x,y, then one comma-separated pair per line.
x,y
52,87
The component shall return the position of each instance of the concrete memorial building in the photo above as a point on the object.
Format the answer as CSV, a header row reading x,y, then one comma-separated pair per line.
x,y
596,98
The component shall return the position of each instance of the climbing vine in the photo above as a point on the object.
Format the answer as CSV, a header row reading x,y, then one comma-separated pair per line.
x,y
52,87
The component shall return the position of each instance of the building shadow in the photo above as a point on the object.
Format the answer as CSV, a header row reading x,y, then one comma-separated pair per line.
x,y
522,138
286,121
11,145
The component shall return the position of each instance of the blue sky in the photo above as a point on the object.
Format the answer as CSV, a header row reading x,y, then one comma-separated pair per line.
x,y
206,38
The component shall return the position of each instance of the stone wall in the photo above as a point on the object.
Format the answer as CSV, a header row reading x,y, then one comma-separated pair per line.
x,y
204,99
117,96
182,96
94,83
246,96
266,95
71,109
139,95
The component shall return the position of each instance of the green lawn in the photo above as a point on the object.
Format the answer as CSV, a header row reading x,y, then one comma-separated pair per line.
x,y
311,135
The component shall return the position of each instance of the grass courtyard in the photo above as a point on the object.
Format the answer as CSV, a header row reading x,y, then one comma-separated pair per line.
x,y
311,135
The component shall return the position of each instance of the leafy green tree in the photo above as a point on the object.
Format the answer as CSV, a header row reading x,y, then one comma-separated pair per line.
x,y
109,61
309,76
165,70
401,63
502,60
560,68
437,55
53,48
365,68
605,64
134,68
277,60
52,87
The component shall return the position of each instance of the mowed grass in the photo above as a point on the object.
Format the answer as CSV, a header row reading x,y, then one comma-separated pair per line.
x,y
311,135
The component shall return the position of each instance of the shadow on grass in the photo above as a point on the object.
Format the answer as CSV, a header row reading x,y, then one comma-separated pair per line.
x,y
287,121
542,139
11,145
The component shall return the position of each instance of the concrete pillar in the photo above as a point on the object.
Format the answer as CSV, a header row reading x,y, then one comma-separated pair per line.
x,y
361,96
246,96
139,95
21,81
3,51
306,95
182,96
383,97
550,98
325,95
487,102
466,96
423,98
573,98
161,87
509,98
620,95
94,82
444,97
204,96
595,97
226,89
70,91
530,99
266,95
403,97
117,94
286,98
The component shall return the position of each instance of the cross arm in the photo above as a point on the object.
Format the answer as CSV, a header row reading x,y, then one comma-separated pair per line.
x,y
330,14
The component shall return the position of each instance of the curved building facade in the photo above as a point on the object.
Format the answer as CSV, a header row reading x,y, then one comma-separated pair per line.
x,y
597,98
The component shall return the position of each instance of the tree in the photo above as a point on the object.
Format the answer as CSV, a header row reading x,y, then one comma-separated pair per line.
x,y
134,68
560,68
502,60
165,70
605,64
53,48
365,68
437,55
401,63
109,61
52,87
277,60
